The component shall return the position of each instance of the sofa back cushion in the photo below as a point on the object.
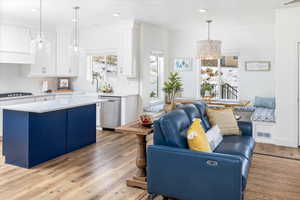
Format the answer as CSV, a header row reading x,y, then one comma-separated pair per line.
x,y
171,129
174,126
158,136
265,102
191,111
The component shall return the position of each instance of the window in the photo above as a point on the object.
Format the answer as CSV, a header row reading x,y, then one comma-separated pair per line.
x,y
156,76
104,65
219,78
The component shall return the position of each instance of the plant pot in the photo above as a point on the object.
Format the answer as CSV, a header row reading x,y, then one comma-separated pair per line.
x,y
169,107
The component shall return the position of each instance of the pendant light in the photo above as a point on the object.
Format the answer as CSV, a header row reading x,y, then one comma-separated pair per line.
x,y
209,49
40,42
75,39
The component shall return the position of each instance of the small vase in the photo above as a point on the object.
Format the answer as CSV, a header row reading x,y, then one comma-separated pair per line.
x,y
207,96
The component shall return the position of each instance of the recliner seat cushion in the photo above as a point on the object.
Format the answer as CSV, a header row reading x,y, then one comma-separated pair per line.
x,y
236,145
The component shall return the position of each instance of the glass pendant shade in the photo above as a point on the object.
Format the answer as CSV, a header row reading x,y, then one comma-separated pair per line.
x,y
41,48
40,43
75,35
209,49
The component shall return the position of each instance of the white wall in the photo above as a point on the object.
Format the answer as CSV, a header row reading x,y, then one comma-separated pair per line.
x,y
13,78
286,74
153,39
103,40
253,43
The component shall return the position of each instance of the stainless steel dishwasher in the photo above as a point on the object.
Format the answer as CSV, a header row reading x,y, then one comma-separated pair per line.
x,y
110,113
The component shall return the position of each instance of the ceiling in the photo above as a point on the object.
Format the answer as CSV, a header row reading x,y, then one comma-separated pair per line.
x,y
174,14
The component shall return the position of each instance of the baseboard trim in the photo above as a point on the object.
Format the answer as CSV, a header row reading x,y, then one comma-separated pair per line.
x,y
276,156
286,143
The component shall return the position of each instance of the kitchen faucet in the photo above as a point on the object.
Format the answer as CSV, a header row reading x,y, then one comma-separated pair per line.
x,y
96,76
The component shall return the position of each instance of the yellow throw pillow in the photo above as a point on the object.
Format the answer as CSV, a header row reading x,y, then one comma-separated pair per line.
x,y
196,137
224,118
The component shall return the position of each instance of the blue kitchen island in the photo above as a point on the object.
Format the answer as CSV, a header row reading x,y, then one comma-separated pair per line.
x,y
37,132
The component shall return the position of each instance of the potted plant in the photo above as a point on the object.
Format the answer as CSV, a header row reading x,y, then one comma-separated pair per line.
x,y
153,95
171,88
206,89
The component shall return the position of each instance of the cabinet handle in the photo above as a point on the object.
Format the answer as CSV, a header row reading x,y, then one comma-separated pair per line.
x,y
44,70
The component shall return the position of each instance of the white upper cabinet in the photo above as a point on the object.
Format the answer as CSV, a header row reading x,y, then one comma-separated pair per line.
x,y
15,44
45,58
56,60
67,62
130,51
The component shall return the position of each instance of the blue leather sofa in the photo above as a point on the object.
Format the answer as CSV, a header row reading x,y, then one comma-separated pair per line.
x,y
174,171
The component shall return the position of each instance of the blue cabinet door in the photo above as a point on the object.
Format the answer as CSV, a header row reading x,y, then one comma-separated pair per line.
x,y
81,130
16,138
47,138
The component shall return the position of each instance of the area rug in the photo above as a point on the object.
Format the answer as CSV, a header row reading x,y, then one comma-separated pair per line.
x,y
270,178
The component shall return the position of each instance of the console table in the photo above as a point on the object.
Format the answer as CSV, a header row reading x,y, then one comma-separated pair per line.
x,y
221,102
141,132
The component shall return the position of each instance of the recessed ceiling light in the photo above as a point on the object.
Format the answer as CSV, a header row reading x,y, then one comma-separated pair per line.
x,y
117,14
34,10
202,10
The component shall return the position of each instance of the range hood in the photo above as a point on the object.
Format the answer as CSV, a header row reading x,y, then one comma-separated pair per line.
x,y
15,44
10,57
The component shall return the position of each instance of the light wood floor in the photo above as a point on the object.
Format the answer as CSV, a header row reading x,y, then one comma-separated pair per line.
x,y
99,172
278,150
96,172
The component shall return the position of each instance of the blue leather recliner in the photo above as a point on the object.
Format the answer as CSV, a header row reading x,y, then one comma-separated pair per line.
x,y
174,171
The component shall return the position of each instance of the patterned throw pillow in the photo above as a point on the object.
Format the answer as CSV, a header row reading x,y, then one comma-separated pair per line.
x,y
214,137
224,118
196,137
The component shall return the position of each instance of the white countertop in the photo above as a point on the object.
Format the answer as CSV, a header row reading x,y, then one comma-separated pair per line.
x,y
36,95
54,105
117,94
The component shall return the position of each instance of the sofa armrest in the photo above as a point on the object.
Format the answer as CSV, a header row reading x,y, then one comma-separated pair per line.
x,y
187,174
246,128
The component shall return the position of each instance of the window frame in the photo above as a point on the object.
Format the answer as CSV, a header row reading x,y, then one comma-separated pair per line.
x,y
160,76
219,78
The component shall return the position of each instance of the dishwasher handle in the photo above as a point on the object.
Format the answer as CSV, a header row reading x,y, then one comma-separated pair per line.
x,y
112,100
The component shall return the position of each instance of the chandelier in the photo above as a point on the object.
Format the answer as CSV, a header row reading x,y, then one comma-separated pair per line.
x,y
209,49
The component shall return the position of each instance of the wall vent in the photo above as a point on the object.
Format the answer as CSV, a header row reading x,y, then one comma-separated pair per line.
x,y
264,135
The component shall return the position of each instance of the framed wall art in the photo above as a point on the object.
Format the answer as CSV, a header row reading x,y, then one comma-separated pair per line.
x,y
63,84
183,64
258,66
